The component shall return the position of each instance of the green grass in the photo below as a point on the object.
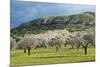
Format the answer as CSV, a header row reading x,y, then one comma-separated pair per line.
x,y
51,56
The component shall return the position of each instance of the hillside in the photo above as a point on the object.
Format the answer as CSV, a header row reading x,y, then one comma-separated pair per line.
x,y
77,21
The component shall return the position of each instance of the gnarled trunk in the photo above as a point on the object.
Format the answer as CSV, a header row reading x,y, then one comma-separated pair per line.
x,y
85,50
29,49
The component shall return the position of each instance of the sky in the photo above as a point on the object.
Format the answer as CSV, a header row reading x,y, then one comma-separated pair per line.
x,y
22,12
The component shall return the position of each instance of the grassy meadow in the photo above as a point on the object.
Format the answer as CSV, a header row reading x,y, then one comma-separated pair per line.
x,y
51,56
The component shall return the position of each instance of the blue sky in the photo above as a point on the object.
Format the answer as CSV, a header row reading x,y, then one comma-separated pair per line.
x,y
22,12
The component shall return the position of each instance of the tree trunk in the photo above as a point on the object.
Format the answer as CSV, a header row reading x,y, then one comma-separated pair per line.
x,y
29,50
24,50
10,48
85,49
65,44
93,45
56,48
35,48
